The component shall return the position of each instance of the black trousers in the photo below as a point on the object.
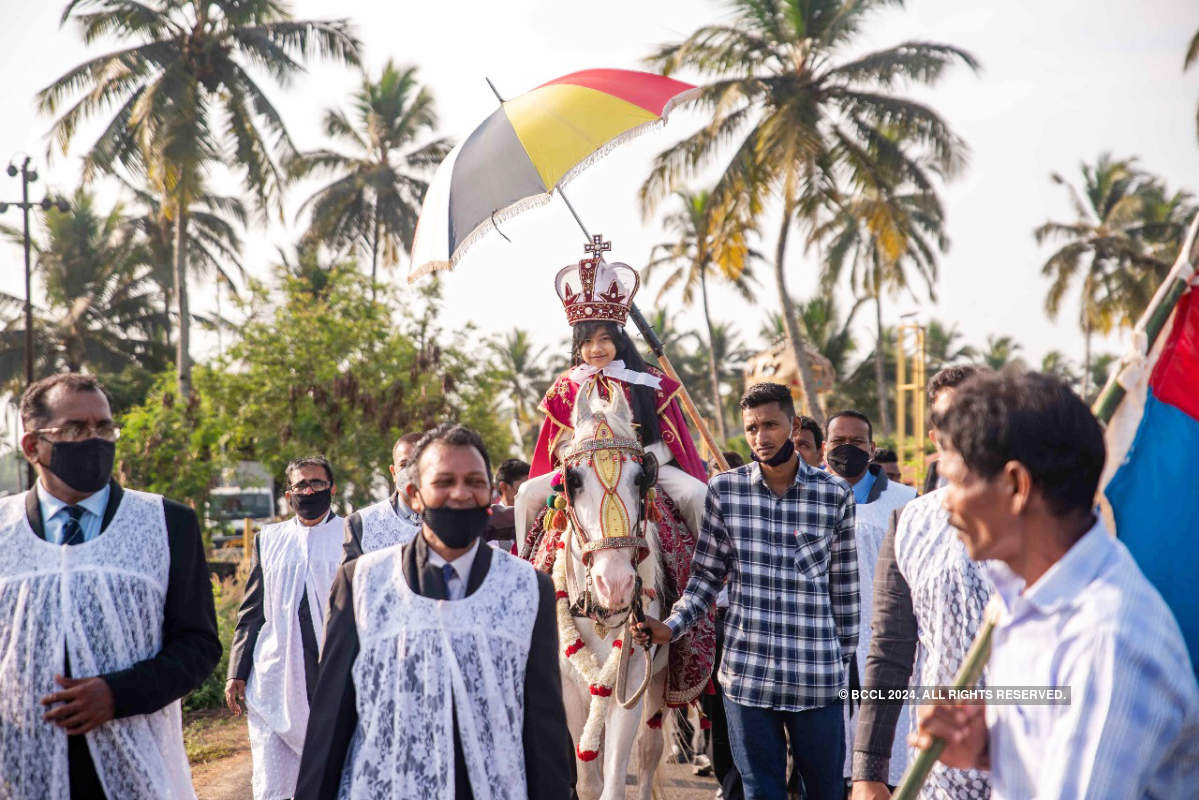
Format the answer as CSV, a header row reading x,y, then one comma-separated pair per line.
x,y
85,783
713,706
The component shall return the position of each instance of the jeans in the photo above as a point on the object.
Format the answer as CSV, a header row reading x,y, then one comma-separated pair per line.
x,y
760,750
713,705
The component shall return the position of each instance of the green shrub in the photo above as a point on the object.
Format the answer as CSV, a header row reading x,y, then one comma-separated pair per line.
x,y
227,596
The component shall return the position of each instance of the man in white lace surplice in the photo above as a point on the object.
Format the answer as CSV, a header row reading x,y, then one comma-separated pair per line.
x,y
439,677
391,520
281,624
106,615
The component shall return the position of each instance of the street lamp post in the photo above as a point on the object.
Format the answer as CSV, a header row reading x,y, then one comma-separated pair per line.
x,y
28,176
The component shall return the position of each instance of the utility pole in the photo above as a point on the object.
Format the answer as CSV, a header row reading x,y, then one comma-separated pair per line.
x,y
28,176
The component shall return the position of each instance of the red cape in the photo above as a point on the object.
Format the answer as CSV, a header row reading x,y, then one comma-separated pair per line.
x,y
558,407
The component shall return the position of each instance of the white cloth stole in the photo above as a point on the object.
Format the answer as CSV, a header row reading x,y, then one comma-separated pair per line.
x,y
617,370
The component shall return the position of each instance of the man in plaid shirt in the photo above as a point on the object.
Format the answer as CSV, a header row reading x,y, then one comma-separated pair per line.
x,y
781,533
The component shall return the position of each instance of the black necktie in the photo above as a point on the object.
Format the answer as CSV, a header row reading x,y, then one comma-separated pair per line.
x,y
72,531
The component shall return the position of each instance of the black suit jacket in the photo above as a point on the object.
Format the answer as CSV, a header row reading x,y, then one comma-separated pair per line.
x,y
333,717
190,646
351,548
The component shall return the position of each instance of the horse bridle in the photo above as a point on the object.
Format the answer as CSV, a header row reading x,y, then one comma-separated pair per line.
x,y
616,451
604,445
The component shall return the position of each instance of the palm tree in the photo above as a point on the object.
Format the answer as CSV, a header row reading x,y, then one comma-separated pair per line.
x,y
184,98
1001,351
374,200
880,233
1117,250
705,241
213,243
820,318
521,366
804,119
1191,57
731,355
942,348
99,312
1057,364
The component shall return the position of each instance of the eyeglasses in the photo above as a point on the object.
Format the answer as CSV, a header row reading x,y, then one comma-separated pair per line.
x,y
78,431
315,485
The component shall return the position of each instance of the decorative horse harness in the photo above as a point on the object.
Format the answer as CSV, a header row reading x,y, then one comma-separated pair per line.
x,y
605,455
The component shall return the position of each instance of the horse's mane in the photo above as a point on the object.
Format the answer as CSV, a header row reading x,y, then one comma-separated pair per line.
x,y
615,409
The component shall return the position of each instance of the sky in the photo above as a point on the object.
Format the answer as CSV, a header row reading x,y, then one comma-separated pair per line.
x,y
1061,82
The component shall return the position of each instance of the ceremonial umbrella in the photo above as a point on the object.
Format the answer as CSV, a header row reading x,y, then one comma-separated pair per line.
x,y
531,146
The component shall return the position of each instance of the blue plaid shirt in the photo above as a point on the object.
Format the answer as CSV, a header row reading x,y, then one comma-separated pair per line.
x,y
792,568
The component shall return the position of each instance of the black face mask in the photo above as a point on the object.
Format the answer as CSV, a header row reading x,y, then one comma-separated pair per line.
x,y
84,466
457,527
312,506
781,457
848,460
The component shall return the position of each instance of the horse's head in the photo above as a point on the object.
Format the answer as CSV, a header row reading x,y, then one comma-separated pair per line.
x,y
606,475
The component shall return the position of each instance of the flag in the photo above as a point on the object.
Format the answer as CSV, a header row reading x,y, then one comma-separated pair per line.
x,y
1154,492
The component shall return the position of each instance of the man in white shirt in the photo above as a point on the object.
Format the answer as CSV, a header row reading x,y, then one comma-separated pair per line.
x,y
1022,455
848,450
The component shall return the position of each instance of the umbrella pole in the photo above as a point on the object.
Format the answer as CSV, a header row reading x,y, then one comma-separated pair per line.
x,y
655,344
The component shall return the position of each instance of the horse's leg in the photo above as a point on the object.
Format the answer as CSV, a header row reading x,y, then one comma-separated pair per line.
x,y
577,699
619,733
652,741
625,726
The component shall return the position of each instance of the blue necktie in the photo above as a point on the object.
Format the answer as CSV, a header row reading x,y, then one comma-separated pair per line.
x,y
72,531
447,572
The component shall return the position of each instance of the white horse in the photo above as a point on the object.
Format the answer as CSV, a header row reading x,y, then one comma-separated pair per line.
x,y
607,568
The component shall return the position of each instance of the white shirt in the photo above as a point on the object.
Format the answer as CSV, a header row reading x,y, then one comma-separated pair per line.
x,y
456,585
1092,623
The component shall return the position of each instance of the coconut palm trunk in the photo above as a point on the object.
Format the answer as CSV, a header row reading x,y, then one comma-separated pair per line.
x,y
713,375
1086,358
880,373
790,325
375,250
183,365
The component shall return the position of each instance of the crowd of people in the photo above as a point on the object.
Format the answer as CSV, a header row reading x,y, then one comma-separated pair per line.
x,y
410,650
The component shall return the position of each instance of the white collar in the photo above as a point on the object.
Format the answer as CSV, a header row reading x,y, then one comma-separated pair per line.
x,y
615,369
462,563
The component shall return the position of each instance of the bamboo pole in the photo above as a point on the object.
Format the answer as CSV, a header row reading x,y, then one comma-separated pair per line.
x,y
655,344
966,678
1151,323
247,537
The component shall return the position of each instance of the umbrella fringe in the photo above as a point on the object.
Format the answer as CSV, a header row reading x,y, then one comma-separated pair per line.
x,y
481,230
608,147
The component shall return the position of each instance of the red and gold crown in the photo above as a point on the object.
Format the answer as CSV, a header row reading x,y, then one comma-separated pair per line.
x,y
604,291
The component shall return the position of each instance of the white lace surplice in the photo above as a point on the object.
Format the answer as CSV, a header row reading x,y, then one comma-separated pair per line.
x,y
416,654
295,561
103,602
949,592
382,527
